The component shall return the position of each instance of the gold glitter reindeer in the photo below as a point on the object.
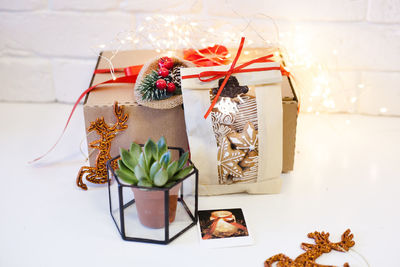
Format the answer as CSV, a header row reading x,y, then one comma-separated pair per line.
x,y
322,245
98,174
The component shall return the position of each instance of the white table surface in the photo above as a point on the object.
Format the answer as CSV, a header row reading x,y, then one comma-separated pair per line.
x,y
346,176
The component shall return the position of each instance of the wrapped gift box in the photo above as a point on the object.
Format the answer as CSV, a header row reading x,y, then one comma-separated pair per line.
x,y
144,122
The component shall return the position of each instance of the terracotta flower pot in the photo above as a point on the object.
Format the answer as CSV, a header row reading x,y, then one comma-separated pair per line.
x,y
150,206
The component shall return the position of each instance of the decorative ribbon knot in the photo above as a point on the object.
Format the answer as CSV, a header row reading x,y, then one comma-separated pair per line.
x,y
214,75
210,56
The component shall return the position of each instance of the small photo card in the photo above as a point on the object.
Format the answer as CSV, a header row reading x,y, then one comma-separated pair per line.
x,y
223,228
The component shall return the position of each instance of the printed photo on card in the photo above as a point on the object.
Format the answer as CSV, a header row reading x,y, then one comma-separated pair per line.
x,y
223,228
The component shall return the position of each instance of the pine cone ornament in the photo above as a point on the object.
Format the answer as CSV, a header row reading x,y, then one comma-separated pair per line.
x,y
158,83
176,76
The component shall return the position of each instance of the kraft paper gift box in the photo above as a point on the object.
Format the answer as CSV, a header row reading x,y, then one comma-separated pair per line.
x,y
145,122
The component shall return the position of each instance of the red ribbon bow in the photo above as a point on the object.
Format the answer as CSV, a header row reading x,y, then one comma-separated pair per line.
x,y
210,56
214,75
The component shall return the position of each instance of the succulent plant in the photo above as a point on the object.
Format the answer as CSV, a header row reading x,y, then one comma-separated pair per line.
x,y
152,165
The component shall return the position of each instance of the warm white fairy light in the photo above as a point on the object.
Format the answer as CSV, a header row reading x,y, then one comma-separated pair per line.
x,y
315,85
383,110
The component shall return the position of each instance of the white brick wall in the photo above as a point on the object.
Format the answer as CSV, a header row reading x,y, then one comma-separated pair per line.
x,y
45,45
71,77
375,84
315,10
386,11
83,5
60,34
22,5
162,6
26,79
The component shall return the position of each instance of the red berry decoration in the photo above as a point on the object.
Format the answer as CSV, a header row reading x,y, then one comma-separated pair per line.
x,y
161,84
163,72
171,87
165,62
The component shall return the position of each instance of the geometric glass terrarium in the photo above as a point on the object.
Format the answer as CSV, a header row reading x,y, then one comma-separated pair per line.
x,y
153,215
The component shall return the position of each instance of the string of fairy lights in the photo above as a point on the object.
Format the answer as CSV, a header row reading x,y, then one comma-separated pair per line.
x,y
318,88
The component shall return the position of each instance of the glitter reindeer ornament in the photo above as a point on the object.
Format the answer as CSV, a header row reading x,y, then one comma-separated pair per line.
x,y
313,251
98,174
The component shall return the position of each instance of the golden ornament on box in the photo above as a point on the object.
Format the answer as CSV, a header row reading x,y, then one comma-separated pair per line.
x,y
98,174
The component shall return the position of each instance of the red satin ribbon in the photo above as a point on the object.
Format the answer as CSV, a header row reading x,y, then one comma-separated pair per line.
x,y
214,75
129,71
131,74
220,52
228,74
211,56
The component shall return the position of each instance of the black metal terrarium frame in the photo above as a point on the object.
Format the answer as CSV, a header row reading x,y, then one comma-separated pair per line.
x,y
122,206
